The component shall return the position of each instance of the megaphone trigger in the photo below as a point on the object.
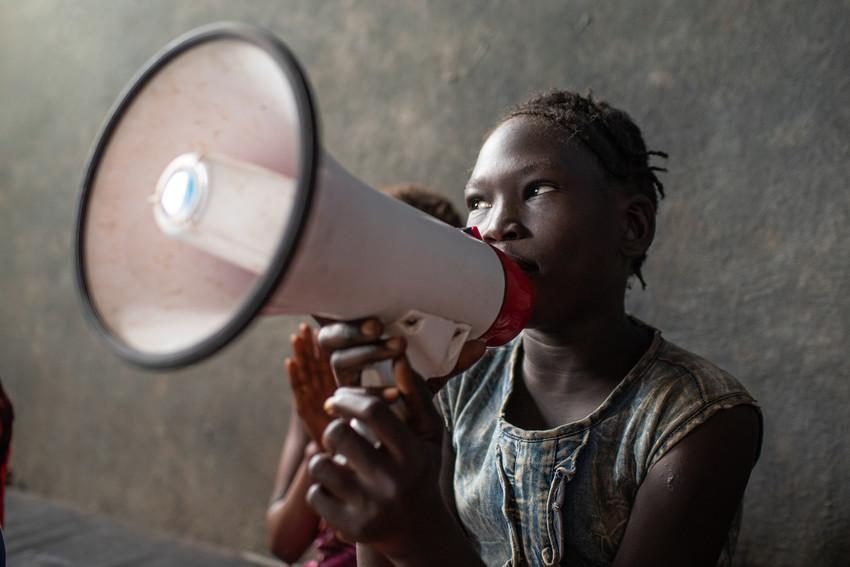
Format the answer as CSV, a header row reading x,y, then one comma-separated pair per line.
x,y
433,342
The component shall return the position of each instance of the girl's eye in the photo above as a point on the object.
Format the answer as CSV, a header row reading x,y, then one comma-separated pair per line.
x,y
476,203
538,190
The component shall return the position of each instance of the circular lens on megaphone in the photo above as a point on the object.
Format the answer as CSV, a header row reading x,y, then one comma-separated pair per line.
x,y
180,195
173,262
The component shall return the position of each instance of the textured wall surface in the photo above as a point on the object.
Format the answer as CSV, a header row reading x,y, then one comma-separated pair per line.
x,y
750,267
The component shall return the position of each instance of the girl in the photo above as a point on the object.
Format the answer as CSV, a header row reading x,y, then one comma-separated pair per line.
x,y
590,439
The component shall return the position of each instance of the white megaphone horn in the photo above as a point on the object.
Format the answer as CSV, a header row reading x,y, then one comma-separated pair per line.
x,y
207,200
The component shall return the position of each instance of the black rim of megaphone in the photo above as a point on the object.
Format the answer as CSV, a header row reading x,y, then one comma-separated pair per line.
x,y
307,166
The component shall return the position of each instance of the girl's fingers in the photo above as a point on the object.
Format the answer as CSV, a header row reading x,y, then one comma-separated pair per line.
x,y
314,340
301,393
376,416
324,372
326,388
309,350
294,375
421,414
348,363
342,335
303,350
405,378
307,396
360,456
338,480
332,509
390,394
298,353
325,366
323,356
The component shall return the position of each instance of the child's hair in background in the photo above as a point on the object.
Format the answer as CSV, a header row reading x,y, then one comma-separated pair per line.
x,y
427,201
609,133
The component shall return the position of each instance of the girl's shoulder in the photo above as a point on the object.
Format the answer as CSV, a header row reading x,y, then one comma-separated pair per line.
x,y
674,364
679,391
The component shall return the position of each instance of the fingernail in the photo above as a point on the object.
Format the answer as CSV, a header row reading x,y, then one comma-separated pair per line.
x,y
395,343
370,328
329,405
391,394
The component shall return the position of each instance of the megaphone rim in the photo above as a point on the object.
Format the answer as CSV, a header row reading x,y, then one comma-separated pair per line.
x,y
309,154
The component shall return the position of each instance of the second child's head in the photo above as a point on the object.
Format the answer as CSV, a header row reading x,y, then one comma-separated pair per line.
x,y
427,201
564,185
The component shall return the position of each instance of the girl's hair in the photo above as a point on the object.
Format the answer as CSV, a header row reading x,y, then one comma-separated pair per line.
x,y
427,201
609,133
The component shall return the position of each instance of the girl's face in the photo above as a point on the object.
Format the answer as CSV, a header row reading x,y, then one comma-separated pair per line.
x,y
545,201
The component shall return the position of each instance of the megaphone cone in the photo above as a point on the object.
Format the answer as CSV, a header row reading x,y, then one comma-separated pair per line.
x,y
207,200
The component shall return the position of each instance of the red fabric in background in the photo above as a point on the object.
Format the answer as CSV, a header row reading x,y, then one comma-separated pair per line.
x,y
332,551
7,416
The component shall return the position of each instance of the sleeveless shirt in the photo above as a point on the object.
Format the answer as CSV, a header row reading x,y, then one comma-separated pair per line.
x,y
563,496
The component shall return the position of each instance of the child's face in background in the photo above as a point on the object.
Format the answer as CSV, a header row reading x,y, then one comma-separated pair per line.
x,y
546,201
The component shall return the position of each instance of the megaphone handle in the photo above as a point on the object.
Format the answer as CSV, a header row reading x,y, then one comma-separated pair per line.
x,y
378,375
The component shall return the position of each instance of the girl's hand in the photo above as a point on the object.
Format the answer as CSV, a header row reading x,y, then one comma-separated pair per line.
x,y
354,345
312,381
387,495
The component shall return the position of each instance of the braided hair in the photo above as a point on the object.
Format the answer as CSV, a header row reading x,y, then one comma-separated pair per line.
x,y
610,134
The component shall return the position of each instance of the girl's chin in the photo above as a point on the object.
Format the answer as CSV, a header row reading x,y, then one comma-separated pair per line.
x,y
540,321
549,318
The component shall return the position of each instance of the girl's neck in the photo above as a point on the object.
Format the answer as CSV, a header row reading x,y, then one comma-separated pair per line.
x,y
582,355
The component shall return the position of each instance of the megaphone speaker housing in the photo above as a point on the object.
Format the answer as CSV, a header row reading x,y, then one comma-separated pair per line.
x,y
186,98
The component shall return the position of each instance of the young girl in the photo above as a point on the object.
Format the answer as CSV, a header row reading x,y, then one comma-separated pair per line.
x,y
590,439
292,526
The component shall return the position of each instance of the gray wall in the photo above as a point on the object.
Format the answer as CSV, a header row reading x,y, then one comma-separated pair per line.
x,y
750,267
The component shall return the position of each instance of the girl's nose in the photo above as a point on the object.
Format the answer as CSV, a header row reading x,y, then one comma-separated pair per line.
x,y
503,225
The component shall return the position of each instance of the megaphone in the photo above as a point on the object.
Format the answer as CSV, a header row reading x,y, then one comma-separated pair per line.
x,y
207,200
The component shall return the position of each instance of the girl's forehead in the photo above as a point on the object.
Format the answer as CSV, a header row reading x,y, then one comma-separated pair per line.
x,y
530,135
526,127
524,143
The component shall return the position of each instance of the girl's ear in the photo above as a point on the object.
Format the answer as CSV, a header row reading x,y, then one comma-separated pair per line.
x,y
638,223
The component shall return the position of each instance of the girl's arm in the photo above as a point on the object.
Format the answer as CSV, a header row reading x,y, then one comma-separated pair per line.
x,y
290,522
684,508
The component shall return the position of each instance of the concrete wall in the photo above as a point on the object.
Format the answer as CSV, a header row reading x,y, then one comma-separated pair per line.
x,y
750,267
